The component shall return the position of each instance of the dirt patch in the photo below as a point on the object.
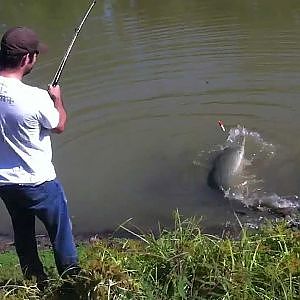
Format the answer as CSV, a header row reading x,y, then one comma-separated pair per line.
x,y
6,242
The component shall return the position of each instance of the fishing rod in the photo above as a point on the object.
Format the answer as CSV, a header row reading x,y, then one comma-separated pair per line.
x,y
64,60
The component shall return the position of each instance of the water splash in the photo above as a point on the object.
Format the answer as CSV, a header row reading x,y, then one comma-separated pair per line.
x,y
253,137
251,190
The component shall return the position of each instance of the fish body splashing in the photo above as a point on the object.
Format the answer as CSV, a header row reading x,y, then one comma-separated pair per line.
x,y
227,167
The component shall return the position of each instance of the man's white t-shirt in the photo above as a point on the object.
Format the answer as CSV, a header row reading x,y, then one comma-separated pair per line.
x,y
27,115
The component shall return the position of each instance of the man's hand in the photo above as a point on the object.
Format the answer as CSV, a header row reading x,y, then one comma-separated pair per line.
x,y
54,92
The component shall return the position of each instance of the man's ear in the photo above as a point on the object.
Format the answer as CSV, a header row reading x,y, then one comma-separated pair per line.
x,y
24,60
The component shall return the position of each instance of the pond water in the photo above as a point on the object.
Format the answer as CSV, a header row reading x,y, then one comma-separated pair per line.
x,y
145,85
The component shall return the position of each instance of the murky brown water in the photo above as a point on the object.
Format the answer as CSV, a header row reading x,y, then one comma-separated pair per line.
x,y
144,87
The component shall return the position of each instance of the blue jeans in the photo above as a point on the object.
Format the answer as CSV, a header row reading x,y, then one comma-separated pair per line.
x,y
47,201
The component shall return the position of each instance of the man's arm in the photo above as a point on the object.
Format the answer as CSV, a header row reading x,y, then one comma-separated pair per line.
x,y
55,94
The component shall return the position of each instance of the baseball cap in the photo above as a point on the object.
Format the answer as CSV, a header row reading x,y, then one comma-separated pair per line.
x,y
21,40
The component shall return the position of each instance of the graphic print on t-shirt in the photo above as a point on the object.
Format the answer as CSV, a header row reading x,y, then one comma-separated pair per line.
x,y
3,94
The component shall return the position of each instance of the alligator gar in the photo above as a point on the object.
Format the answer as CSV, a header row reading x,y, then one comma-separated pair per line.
x,y
226,167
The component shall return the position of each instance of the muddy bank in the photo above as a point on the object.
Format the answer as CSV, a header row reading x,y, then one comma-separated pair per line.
x,y
43,242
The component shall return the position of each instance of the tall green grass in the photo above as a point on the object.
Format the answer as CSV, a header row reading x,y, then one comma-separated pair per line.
x,y
181,264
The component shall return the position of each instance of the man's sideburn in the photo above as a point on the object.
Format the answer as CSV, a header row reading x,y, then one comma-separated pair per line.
x,y
30,64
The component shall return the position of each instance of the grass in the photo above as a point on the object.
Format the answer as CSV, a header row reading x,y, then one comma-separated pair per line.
x,y
180,264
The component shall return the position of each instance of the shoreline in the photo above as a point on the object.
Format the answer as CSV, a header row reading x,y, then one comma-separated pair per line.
x,y
43,241
232,231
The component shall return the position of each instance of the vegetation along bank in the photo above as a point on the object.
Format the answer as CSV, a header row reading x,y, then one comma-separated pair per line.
x,y
182,263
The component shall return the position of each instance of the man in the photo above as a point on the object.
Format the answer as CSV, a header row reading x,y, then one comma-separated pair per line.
x,y
28,184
